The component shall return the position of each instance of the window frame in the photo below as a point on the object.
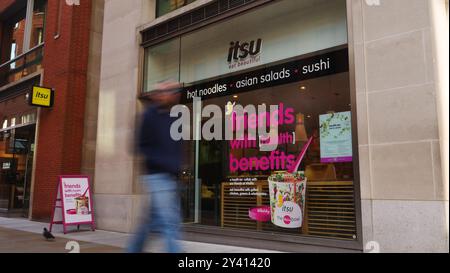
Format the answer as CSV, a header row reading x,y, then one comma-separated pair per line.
x,y
27,36
157,6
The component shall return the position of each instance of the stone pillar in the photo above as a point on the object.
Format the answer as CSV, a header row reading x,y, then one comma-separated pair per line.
x,y
403,192
116,197
93,86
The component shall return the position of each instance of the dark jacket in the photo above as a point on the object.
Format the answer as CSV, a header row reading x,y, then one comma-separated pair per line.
x,y
161,153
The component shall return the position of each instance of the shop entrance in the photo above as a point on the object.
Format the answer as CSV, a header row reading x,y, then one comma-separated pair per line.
x,y
16,165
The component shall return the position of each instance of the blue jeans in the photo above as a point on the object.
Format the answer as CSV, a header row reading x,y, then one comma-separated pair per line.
x,y
164,213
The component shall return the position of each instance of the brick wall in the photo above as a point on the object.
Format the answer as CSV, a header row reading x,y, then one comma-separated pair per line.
x,y
61,128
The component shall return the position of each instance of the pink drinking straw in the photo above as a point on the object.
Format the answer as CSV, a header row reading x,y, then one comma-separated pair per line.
x,y
84,194
301,156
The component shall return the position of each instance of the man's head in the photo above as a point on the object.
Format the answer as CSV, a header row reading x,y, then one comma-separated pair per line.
x,y
167,93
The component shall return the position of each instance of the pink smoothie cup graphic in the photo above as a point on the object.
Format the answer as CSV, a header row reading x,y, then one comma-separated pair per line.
x,y
287,199
82,204
287,192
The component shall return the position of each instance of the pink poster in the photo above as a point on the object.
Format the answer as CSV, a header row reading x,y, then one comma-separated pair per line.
x,y
73,205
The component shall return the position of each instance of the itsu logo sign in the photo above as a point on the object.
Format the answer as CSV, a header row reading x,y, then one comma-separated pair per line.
x,y
289,215
244,53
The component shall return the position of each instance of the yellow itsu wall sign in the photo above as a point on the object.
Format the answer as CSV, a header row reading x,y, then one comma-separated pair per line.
x,y
42,97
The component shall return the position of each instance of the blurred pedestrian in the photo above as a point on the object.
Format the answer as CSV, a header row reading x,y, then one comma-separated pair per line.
x,y
162,158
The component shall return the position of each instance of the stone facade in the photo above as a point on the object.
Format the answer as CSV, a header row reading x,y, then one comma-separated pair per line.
x,y
404,190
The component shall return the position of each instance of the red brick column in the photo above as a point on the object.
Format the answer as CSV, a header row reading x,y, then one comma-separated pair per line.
x,y
60,137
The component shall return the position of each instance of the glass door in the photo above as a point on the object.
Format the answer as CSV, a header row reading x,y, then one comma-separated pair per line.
x,y
16,170
27,175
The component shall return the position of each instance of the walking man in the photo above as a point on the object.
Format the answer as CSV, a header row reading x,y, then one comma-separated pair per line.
x,y
162,156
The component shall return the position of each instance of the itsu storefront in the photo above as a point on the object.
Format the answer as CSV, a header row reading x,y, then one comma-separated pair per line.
x,y
291,56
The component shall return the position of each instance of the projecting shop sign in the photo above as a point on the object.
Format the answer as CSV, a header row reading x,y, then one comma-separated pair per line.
x,y
42,97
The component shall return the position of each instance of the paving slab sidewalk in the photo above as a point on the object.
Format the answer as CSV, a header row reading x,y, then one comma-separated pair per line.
x,y
15,241
25,236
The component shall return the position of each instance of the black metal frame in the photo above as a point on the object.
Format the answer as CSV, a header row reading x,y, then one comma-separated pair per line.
x,y
267,240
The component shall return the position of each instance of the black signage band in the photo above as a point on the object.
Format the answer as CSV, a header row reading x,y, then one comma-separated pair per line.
x,y
295,71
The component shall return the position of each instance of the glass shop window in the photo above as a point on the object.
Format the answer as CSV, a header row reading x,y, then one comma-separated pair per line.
x,y
166,6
